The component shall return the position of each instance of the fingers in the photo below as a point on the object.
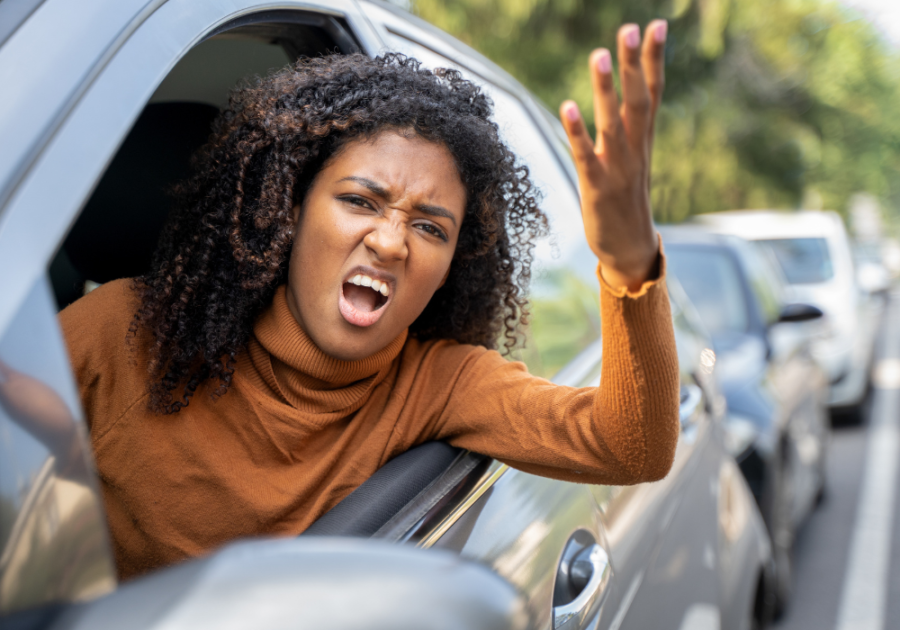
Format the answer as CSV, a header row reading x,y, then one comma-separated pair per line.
x,y
653,62
606,102
636,109
582,146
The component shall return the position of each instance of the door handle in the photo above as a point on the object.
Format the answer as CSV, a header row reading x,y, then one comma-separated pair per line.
x,y
691,397
591,565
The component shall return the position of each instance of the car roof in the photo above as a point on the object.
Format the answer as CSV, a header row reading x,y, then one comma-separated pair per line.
x,y
772,224
693,235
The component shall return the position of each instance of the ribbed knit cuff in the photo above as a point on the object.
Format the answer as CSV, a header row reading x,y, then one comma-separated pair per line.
x,y
623,292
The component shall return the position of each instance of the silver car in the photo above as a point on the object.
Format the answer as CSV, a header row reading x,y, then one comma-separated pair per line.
x,y
105,101
813,249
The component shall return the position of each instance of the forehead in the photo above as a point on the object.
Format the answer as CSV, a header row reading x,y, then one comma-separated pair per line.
x,y
408,166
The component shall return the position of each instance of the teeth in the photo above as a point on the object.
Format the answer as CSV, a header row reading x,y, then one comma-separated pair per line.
x,y
361,280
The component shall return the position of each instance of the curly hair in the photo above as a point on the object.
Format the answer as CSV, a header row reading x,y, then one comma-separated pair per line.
x,y
226,246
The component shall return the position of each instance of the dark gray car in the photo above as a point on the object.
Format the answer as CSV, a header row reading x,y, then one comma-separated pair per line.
x,y
110,96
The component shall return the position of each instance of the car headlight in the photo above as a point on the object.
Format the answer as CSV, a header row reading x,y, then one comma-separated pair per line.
x,y
740,434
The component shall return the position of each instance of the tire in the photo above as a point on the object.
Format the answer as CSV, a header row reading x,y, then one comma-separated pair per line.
x,y
782,534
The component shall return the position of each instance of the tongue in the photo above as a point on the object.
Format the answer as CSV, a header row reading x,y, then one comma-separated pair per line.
x,y
363,299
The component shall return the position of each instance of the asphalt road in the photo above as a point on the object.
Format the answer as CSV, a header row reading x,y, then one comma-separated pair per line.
x,y
847,554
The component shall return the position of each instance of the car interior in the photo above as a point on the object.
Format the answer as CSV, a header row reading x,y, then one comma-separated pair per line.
x,y
117,231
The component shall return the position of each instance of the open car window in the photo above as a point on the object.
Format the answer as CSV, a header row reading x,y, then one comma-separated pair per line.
x,y
117,231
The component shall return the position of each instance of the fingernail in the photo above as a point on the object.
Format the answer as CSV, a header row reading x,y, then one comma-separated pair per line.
x,y
604,61
572,114
632,36
661,30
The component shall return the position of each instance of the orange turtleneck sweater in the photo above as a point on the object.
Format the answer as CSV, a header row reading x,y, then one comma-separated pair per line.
x,y
299,430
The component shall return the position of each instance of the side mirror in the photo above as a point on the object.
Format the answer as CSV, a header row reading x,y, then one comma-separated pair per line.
x,y
800,313
872,278
307,584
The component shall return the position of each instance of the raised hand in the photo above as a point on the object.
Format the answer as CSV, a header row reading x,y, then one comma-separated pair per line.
x,y
614,171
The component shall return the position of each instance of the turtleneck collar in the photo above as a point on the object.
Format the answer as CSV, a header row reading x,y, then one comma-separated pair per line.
x,y
306,377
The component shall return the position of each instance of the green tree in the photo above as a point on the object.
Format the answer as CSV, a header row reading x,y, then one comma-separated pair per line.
x,y
769,103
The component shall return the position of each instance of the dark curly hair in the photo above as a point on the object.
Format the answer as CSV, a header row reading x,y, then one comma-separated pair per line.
x,y
226,246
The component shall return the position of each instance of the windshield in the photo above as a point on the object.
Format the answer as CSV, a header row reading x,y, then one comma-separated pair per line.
x,y
803,260
712,282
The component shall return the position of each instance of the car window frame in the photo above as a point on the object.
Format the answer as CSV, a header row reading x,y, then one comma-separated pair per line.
x,y
50,196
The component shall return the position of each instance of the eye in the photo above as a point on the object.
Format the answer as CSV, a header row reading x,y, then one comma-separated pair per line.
x,y
433,230
355,200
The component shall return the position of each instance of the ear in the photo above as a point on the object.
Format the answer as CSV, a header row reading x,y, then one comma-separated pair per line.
x,y
295,213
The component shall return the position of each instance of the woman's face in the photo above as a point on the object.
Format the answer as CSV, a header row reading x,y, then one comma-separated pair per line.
x,y
374,240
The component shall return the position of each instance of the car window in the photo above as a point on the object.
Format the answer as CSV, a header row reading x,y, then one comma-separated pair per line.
x,y
156,152
565,292
53,544
208,72
711,279
803,260
765,281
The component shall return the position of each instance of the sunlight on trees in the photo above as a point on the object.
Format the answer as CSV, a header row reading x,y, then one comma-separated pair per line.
x,y
769,103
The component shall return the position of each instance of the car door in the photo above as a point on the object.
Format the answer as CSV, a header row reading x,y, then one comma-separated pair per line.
x,y
636,522
54,547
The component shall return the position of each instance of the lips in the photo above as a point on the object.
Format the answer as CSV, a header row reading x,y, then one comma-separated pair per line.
x,y
362,300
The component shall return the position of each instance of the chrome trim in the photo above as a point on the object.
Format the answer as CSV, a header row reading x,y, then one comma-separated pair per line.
x,y
490,477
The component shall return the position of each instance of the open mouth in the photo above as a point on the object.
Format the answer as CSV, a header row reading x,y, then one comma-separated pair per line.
x,y
363,298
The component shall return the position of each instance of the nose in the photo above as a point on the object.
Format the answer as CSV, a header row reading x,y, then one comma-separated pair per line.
x,y
388,240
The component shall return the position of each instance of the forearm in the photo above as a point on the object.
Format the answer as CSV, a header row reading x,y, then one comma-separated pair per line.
x,y
637,405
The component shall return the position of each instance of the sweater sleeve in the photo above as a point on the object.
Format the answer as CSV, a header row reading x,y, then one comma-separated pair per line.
x,y
623,432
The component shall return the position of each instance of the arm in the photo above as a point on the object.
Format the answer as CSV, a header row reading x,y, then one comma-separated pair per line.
x,y
626,431
621,433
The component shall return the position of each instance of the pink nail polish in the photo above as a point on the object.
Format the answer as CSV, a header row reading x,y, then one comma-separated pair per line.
x,y
572,112
661,30
604,62
632,36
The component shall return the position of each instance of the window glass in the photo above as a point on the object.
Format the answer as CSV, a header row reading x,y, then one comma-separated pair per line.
x,y
53,542
712,281
803,260
765,281
564,292
212,68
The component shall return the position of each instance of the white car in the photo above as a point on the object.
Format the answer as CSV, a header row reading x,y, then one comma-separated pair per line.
x,y
814,252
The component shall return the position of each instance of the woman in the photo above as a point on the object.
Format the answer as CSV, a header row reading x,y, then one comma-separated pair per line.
x,y
354,242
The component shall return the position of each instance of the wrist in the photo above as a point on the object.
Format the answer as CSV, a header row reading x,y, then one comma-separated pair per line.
x,y
633,274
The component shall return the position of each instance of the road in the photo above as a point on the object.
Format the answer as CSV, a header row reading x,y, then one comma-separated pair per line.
x,y
846,565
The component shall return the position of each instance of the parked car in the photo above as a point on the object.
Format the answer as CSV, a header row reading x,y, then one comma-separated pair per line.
x,y
777,425
111,96
814,253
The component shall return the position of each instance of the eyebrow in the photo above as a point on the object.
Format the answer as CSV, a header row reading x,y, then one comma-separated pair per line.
x,y
381,191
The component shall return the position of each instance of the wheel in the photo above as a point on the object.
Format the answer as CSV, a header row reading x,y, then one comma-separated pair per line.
x,y
763,602
782,534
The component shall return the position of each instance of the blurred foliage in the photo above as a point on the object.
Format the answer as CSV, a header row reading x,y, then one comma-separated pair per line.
x,y
564,320
769,103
